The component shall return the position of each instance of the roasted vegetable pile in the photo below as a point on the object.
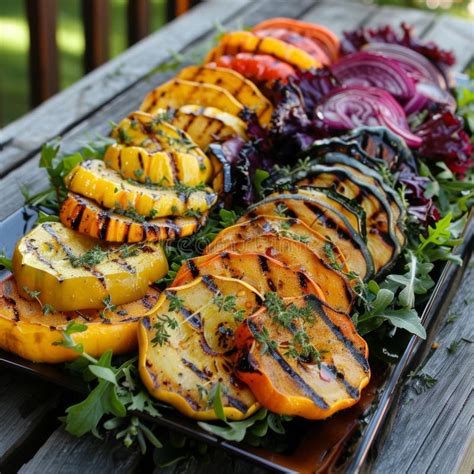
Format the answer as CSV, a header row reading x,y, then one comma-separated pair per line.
x,y
277,180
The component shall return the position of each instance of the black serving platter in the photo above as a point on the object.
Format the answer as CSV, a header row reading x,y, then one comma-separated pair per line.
x,y
355,450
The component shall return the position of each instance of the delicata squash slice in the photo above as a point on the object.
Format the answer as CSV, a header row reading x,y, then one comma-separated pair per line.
x,y
253,226
206,125
324,218
86,217
186,347
300,357
245,42
176,93
185,161
93,180
299,257
245,91
32,330
71,272
261,272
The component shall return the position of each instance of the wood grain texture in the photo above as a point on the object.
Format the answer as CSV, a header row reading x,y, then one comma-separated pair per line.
x,y
26,411
433,430
66,454
57,115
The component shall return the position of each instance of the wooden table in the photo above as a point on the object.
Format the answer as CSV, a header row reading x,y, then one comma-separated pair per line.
x,y
431,432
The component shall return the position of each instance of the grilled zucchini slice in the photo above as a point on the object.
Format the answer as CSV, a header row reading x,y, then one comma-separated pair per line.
x,y
245,91
86,217
92,179
206,125
163,167
31,331
382,239
261,272
245,42
257,226
299,257
325,219
294,384
186,347
176,93
70,272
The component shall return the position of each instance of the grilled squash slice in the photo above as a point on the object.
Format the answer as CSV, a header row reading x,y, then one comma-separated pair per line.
x,y
93,180
284,378
176,93
260,271
70,272
245,42
206,125
185,347
86,217
222,181
382,239
163,167
289,228
245,91
325,219
30,331
299,257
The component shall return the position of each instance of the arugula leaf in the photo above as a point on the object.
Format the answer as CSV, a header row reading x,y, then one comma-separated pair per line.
x,y
216,401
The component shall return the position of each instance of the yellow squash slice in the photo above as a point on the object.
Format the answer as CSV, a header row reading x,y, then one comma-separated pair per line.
x,y
163,167
290,380
86,217
186,346
245,91
32,331
299,257
176,93
70,272
206,125
92,179
155,134
246,42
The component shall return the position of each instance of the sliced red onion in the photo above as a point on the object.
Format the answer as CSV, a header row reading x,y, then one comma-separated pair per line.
x,y
415,64
370,69
349,107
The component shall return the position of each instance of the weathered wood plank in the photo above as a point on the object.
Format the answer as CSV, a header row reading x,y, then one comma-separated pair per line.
x,y
393,16
66,454
57,115
458,35
340,15
433,430
35,180
27,416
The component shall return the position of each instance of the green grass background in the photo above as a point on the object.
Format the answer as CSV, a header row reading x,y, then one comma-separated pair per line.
x,y
14,87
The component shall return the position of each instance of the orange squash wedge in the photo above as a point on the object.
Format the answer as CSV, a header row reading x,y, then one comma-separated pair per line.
x,y
289,378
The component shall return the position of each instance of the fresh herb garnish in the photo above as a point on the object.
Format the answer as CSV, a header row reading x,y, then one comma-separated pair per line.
x,y
163,323
91,258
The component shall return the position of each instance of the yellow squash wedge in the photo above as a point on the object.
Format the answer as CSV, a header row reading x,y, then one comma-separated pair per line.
x,y
86,217
155,134
176,93
299,257
246,42
245,91
32,331
186,346
70,272
289,380
163,167
93,180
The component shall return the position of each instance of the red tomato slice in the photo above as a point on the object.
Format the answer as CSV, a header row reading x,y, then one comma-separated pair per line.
x,y
257,67
295,39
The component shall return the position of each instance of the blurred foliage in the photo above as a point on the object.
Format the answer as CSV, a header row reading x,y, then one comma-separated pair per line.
x,y
14,78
